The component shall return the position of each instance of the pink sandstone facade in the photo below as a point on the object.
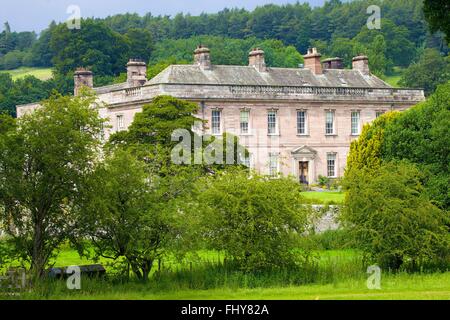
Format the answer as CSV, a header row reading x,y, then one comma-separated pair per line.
x,y
294,121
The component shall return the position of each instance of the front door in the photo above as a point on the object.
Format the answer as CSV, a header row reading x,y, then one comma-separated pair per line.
x,y
303,172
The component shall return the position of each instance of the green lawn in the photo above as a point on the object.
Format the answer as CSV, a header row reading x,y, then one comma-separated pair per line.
x,y
348,282
40,73
398,287
395,77
325,197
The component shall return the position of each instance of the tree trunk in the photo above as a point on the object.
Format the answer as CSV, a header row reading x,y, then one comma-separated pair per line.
x,y
146,268
38,258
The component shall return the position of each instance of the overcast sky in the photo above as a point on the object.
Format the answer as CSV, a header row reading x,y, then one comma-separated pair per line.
x,y
27,15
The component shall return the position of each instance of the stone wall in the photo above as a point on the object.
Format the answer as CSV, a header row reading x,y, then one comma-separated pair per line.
x,y
327,218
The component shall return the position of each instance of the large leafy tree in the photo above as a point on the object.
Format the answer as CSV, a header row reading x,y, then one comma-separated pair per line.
x,y
366,151
94,45
155,124
256,221
391,217
399,49
140,42
24,90
128,213
431,70
419,135
437,14
44,162
134,206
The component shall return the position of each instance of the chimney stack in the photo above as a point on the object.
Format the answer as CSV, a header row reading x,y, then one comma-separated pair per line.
x,y
202,57
333,63
136,73
312,61
256,60
361,63
83,78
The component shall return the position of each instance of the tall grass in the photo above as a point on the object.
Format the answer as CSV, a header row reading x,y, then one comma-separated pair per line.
x,y
206,274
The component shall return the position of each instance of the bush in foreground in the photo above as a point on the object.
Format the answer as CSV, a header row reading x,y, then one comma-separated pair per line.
x,y
255,220
392,219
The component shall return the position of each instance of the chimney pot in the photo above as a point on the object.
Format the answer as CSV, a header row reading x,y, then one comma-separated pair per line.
x,y
333,63
202,57
82,78
136,73
361,63
312,61
257,60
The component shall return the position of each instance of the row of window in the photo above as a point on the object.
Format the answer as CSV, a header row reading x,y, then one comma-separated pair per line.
x,y
302,122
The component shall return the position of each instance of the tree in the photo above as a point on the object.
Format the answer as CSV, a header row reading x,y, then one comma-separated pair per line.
x,y
379,64
140,42
12,60
25,90
123,216
257,221
437,14
346,49
399,49
94,45
391,218
420,135
157,121
366,151
226,51
41,52
430,71
44,163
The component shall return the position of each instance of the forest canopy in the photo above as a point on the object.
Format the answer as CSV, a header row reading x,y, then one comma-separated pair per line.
x,y
285,32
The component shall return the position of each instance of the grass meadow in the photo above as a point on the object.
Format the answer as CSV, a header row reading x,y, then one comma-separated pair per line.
x,y
395,77
40,73
335,274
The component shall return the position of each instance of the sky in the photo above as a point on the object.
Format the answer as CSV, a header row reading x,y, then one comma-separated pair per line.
x,y
36,15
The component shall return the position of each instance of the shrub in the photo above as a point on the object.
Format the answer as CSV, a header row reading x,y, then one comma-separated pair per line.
x,y
323,181
255,220
391,218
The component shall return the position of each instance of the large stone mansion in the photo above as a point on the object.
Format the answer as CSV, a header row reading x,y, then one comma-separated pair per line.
x,y
294,121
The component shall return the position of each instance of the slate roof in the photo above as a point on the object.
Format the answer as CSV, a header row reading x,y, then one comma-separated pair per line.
x,y
244,75
112,87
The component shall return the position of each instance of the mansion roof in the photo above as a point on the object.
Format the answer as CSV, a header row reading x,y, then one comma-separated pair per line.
x,y
316,81
247,75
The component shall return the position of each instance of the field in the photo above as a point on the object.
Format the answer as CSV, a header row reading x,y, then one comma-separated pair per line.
x,y
40,73
340,277
395,77
398,287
